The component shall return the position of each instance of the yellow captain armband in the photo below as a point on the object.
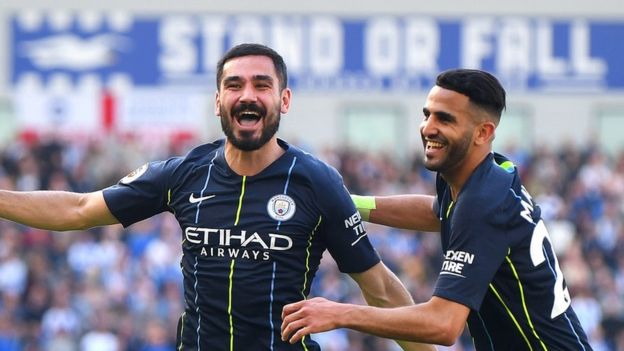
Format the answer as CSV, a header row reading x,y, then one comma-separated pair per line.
x,y
364,205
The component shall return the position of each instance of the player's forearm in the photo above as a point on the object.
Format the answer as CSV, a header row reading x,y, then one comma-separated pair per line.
x,y
397,299
392,293
50,210
405,211
381,287
388,292
398,296
400,323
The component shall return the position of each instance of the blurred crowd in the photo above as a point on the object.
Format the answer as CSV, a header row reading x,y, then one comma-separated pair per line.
x,y
115,289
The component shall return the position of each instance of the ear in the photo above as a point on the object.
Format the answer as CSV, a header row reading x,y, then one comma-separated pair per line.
x,y
485,132
217,105
285,97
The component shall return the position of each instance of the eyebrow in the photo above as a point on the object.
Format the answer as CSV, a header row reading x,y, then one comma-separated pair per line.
x,y
262,77
441,114
258,77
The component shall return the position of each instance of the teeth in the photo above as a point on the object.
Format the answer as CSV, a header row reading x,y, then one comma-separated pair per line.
x,y
434,144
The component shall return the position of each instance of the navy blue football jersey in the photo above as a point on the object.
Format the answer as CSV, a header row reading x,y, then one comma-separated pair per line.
x,y
499,261
251,244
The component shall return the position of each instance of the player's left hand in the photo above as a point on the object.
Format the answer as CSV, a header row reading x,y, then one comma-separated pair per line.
x,y
310,316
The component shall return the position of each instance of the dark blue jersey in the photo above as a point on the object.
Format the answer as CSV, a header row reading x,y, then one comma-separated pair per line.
x,y
499,261
251,244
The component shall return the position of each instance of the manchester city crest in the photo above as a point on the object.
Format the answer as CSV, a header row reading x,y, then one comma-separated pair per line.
x,y
281,207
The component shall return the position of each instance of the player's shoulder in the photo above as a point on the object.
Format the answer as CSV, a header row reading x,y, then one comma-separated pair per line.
x,y
179,164
491,187
199,155
325,182
204,151
313,166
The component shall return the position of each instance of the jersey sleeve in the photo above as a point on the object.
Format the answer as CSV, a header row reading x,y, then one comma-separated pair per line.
x,y
477,246
141,194
343,229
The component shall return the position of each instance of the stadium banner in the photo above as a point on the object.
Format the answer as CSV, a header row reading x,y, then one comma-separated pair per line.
x,y
323,52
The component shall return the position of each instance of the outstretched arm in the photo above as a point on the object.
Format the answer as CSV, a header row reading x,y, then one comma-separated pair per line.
x,y
412,211
438,321
382,288
55,210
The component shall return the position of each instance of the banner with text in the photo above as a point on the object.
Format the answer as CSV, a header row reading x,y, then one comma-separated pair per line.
x,y
323,52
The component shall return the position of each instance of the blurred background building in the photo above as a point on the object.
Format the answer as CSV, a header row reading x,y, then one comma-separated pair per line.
x,y
90,91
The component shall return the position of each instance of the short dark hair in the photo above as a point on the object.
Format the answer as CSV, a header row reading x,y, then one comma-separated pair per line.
x,y
481,87
251,49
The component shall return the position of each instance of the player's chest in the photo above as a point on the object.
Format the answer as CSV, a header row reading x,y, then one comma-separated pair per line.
x,y
250,205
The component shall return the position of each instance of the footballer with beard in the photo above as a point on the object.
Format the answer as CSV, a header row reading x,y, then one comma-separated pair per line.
x,y
256,215
500,275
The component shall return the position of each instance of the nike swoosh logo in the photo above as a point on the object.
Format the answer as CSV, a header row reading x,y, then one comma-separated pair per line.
x,y
194,200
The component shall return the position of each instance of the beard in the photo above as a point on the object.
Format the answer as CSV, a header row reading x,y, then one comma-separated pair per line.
x,y
246,141
456,152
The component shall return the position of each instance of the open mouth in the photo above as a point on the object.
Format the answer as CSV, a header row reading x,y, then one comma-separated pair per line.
x,y
248,118
248,115
433,145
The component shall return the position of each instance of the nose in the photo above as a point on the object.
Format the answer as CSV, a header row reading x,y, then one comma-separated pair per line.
x,y
248,94
427,126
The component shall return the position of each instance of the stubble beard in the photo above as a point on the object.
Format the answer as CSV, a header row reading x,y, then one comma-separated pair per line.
x,y
455,155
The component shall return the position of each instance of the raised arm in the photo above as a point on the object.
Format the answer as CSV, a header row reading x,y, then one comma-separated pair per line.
x,y
380,287
55,210
413,212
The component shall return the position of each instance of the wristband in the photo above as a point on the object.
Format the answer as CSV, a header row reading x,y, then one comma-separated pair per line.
x,y
364,205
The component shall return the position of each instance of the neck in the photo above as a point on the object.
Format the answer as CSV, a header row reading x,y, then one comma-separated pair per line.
x,y
250,163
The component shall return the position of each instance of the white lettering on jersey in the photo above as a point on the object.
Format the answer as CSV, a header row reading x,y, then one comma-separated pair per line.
x,y
561,295
227,238
355,222
455,261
